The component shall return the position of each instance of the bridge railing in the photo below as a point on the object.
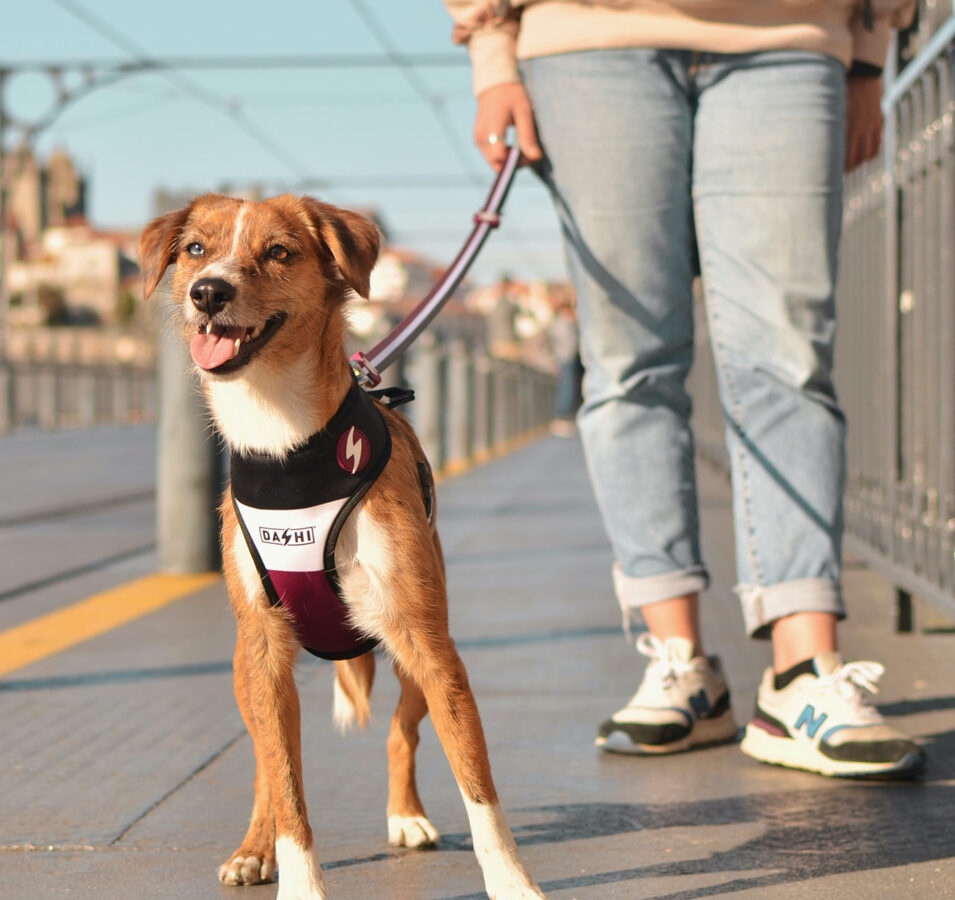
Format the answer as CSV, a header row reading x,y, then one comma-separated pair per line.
x,y
895,369
52,394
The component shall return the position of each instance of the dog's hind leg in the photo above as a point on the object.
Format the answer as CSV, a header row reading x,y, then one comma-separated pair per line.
x,y
433,661
254,861
408,826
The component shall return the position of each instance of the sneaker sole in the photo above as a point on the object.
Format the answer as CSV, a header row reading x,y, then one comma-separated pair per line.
x,y
793,754
705,733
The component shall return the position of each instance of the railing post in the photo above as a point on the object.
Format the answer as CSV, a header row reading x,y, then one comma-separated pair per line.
x,y
86,399
482,408
429,403
459,409
7,412
190,471
499,411
46,402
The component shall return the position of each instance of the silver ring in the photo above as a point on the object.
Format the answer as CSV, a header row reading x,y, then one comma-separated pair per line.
x,y
494,138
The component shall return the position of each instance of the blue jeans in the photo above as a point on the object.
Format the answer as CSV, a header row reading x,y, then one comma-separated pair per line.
x,y
659,161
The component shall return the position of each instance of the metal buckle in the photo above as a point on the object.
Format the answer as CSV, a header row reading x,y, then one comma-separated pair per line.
x,y
488,218
365,372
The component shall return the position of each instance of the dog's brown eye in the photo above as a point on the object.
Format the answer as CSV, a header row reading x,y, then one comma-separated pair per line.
x,y
278,252
195,249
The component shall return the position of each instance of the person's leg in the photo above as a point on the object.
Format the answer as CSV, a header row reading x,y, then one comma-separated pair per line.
x,y
802,635
767,193
616,127
767,188
678,617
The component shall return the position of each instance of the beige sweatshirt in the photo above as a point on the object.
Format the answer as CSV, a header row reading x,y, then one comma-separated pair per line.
x,y
498,33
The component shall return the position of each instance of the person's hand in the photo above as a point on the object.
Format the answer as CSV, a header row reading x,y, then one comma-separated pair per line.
x,y
863,120
498,108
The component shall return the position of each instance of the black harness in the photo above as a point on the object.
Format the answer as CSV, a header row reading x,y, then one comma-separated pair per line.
x,y
292,511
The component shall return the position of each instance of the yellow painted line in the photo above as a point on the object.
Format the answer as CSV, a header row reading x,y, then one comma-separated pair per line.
x,y
60,630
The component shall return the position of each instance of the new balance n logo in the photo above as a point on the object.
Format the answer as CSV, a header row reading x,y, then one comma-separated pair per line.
x,y
808,718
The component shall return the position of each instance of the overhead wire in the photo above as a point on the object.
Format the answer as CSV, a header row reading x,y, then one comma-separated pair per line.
x,y
463,151
406,64
191,87
432,100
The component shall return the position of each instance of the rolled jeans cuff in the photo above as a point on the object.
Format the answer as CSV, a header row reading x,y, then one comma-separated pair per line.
x,y
764,605
632,593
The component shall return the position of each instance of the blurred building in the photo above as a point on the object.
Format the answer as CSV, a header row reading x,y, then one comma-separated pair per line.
x,y
40,195
60,271
74,275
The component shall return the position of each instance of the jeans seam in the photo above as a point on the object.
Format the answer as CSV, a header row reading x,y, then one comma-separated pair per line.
x,y
734,410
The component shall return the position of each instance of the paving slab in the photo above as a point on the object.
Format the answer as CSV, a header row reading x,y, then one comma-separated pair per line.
x,y
125,771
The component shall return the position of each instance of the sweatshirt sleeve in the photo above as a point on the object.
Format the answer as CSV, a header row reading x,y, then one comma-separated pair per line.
x,y
489,29
870,40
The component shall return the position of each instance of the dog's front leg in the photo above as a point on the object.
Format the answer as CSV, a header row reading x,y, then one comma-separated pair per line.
x,y
254,861
269,649
434,663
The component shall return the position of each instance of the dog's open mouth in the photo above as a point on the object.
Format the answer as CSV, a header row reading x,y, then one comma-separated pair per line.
x,y
221,348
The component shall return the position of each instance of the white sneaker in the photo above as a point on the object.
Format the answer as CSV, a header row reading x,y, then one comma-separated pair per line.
x,y
822,720
682,702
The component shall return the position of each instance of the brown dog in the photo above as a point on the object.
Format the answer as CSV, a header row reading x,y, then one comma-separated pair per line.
x,y
259,289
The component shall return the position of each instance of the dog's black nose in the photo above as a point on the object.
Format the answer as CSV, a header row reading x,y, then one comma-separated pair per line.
x,y
209,295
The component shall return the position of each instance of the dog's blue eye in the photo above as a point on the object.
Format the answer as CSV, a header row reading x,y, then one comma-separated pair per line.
x,y
278,252
195,249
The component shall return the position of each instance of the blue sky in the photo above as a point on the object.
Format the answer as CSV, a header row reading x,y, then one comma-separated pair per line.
x,y
392,138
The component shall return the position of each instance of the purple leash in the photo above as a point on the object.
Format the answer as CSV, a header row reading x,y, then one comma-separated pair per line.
x,y
367,367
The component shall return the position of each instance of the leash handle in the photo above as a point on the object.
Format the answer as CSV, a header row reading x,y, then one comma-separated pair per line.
x,y
368,367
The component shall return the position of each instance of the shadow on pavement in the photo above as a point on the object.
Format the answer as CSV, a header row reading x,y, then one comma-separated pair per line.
x,y
806,834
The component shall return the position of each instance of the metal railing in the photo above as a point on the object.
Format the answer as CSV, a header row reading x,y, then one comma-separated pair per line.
x,y
60,395
895,369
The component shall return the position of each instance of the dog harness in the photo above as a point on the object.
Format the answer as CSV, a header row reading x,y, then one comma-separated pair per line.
x,y
292,511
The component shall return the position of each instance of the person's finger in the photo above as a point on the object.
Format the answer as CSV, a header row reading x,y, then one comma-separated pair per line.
x,y
493,146
527,133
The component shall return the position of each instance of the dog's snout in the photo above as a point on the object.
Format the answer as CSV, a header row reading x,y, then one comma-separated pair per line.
x,y
209,295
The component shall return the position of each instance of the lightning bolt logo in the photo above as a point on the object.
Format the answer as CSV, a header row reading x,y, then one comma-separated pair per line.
x,y
286,536
353,450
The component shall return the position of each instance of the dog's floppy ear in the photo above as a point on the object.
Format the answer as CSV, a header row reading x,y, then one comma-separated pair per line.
x,y
158,246
352,240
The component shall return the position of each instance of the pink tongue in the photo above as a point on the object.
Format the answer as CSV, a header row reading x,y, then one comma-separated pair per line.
x,y
212,350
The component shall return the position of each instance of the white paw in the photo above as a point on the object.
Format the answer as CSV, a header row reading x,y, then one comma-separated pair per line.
x,y
515,891
247,870
300,876
411,831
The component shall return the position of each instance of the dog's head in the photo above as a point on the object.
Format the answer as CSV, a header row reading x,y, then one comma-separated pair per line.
x,y
258,281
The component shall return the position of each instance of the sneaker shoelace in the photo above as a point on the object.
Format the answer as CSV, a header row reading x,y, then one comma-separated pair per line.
x,y
853,682
664,663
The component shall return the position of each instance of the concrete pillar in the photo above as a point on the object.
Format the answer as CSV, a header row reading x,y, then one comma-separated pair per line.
x,y
190,467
